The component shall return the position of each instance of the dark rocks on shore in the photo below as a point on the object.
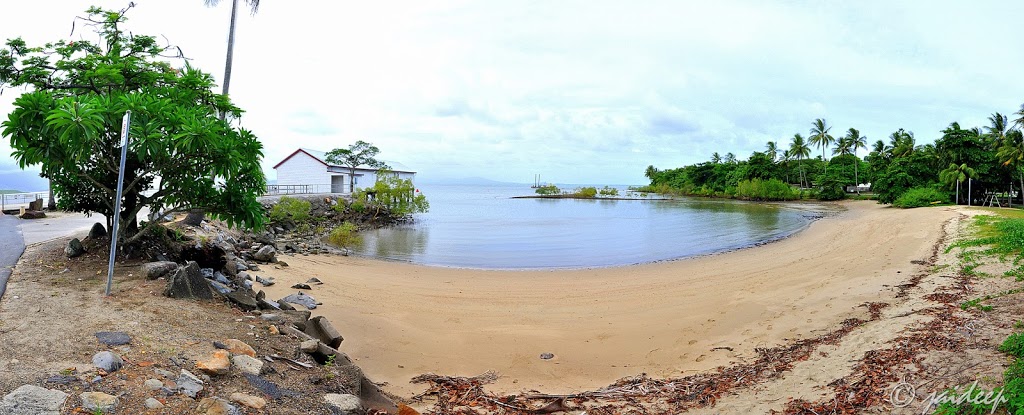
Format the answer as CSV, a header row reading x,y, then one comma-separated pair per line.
x,y
188,282
97,231
320,328
266,254
33,214
315,281
301,286
244,298
113,338
547,356
264,281
154,270
74,248
302,299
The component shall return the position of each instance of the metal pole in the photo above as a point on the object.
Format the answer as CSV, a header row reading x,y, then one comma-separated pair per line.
x,y
125,123
969,191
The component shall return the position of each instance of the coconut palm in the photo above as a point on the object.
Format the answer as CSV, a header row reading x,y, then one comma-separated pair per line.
x,y
902,143
651,172
787,156
730,158
956,174
800,150
996,134
716,158
1019,121
773,150
254,6
843,147
820,137
856,142
1011,153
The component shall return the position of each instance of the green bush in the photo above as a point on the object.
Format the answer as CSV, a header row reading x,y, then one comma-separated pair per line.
x,y
757,189
609,191
831,190
289,207
346,236
548,190
921,196
586,192
1013,345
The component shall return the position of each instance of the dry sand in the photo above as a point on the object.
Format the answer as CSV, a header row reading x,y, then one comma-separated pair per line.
x,y
664,319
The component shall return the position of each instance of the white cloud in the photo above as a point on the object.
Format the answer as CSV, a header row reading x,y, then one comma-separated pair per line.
x,y
582,91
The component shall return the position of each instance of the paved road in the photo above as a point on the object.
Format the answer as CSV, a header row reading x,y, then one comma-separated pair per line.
x,y
12,245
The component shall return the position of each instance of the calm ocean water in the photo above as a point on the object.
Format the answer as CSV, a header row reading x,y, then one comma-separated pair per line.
x,y
482,227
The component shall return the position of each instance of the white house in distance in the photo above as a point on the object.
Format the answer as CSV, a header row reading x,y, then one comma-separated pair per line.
x,y
307,171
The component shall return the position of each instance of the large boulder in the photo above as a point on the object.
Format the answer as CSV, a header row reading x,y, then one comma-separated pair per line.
x,y
320,328
344,403
109,362
300,298
244,298
265,254
99,402
188,282
33,214
154,270
74,248
97,231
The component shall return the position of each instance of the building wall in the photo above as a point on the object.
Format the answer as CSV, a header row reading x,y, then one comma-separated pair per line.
x,y
303,169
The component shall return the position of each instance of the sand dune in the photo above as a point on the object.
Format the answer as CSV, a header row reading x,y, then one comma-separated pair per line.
x,y
664,319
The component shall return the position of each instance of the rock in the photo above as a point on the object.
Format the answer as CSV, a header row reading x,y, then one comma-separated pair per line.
x,y
74,248
218,364
296,317
237,347
242,275
244,298
320,328
284,305
282,264
221,278
154,270
220,288
254,267
547,356
187,282
247,364
302,299
264,281
164,373
107,361
113,338
31,399
269,388
153,384
265,304
343,403
265,254
152,403
208,273
189,384
33,214
301,286
97,231
216,406
309,346
273,330
241,265
98,402
253,402
315,281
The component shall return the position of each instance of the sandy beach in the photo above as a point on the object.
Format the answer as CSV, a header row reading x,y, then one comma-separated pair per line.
x,y
664,319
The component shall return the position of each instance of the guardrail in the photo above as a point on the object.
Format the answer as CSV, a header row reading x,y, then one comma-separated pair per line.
x,y
20,200
305,189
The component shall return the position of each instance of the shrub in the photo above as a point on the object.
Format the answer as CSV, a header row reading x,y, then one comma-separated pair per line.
x,y
587,192
831,190
548,190
921,196
346,236
289,207
757,189
1013,345
609,191
392,195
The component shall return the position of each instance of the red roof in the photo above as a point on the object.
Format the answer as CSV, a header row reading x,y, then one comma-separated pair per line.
x,y
303,152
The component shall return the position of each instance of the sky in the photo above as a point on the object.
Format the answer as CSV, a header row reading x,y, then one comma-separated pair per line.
x,y
576,91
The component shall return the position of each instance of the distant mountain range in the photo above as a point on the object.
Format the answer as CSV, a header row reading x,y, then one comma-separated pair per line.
x,y
464,181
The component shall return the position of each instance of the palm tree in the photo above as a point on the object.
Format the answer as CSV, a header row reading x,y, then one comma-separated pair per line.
x,y
902,143
843,147
254,6
856,141
997,130
715,158
1012,154
730,158
800,150
773,150
787,156
1019,121
651,172
820,137
956,174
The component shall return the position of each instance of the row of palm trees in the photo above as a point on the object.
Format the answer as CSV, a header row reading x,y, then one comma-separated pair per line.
x,y
819,136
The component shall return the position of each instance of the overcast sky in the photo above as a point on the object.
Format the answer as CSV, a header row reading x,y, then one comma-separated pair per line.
x,y
578,91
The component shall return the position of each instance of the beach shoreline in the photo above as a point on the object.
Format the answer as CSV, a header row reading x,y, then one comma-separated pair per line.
x,y
666,318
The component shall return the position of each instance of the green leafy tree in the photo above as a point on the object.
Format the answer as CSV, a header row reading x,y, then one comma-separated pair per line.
x,y
254,6
181,155
393,195
996,130
820,137
346,236
358,154
1011,154
716,158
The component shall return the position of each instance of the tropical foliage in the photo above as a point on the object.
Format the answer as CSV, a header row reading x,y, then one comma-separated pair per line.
x,y
963,165
182,155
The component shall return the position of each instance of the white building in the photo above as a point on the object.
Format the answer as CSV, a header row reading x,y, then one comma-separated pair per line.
x,y
307,171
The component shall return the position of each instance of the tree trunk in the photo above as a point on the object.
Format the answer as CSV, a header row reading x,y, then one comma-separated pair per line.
x,y
351,180
1022,187
52,205
856,178
231,49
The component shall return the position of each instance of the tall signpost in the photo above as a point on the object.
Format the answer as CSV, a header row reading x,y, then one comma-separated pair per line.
x,y
125,123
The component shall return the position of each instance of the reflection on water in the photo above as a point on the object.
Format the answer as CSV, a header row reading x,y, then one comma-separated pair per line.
x,y
481,227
